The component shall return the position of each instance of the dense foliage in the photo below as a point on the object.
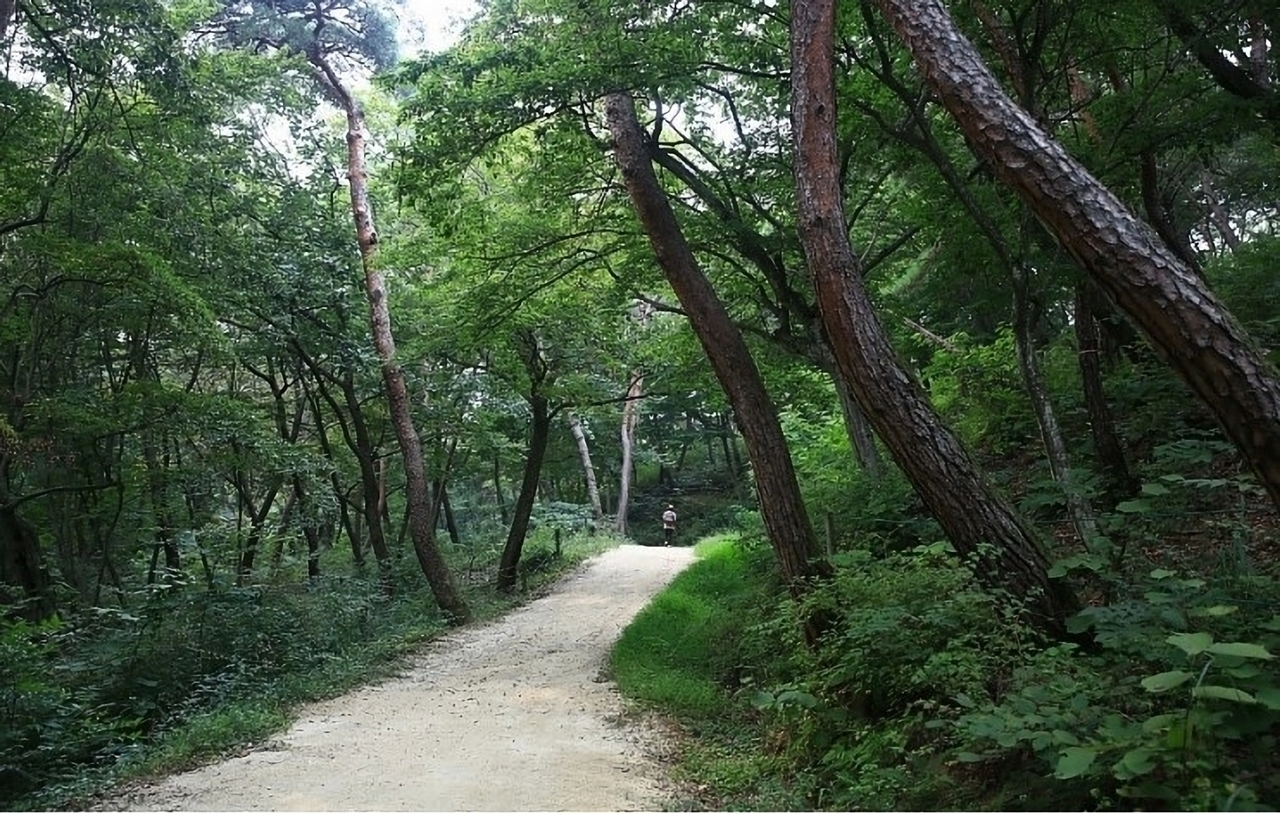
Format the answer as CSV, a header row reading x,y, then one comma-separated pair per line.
x,y
204,515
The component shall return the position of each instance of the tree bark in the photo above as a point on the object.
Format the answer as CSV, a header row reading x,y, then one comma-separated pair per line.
x,y
497,488
861,437
1184,321
21,568
418,501
539,432
450,522
980,524
1079,510
588,469
627,437
1120,482
540,376
781,506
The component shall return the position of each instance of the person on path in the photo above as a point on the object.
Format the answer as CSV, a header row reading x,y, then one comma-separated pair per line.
x,y
668,525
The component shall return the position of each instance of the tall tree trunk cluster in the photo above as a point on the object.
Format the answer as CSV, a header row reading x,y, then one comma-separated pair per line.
x,y
978,521
777,489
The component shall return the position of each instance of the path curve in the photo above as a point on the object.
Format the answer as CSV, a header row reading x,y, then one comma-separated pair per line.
x,y
513,715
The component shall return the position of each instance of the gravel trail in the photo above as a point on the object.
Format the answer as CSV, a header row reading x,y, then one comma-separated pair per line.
x,y
514,715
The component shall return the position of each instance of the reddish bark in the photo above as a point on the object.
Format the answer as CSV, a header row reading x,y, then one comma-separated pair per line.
x,y
781,506
979,523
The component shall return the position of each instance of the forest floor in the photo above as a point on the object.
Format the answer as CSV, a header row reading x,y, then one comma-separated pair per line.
x,y
517,714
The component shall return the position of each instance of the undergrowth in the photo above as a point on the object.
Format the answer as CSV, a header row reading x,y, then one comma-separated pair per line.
x,y
188,672
928,693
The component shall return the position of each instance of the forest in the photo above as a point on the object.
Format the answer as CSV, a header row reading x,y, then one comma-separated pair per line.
x,y
948,325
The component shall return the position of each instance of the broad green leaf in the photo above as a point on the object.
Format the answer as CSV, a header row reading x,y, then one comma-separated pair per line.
x,y
1161,573
1075,761
1216,610
1134,507
1269,697
1137,761
1244,650
1163,682
1154,489
1225,693
1193,644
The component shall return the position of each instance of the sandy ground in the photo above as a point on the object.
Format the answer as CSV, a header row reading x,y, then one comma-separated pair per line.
x,y
515,715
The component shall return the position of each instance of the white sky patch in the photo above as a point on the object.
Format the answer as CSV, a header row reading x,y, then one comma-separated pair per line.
x,y
431,25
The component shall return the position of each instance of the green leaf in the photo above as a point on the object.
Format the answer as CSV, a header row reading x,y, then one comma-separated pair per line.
x,y
1269,697
1137,762
1163,682
1193,644
1216,610
1075,761
1225,693
1244,650
1161,573
1134,507
1154,489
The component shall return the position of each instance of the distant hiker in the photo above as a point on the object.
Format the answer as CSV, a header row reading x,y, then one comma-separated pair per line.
x,y
668,525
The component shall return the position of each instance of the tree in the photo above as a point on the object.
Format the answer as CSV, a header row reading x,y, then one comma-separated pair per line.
x,y
781,506
1185,322
940,469
327,36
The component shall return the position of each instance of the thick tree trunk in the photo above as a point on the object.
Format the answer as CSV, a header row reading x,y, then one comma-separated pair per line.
x,y
781,506
588,469
1120,482
979,523
539,432
1184,321
627,437
21,569
418,501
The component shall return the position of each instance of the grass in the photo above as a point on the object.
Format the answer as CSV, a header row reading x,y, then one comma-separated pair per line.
x,y
661,659
682,656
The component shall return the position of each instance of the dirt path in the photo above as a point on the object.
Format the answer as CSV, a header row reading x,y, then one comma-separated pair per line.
x,y
509,716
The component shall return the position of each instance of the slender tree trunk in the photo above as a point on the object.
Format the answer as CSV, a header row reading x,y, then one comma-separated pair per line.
x,y
979,523
433,565
156,473
781,506
339,494
861,437
7,9
588,469
450,523
497,488
1079,509
1218,213
257,525
366,458
1185,322
630,419
1120,482
539,432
